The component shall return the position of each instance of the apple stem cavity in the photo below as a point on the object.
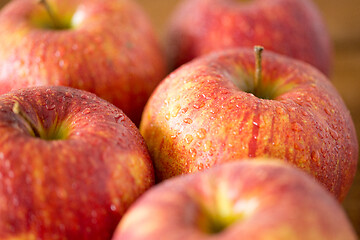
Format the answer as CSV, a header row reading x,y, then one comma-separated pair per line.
x,y
258,67
29,124
51,14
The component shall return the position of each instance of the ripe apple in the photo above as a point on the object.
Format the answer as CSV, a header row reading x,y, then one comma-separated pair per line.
x,y
103,46
291,27
245,200
216,109
70,165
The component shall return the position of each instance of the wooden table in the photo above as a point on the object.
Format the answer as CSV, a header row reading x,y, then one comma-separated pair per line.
x,y
343,20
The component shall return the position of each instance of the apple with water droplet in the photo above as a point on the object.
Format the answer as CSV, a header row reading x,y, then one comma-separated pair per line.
x,y
244,200
103,46
70,164
290,27
227,106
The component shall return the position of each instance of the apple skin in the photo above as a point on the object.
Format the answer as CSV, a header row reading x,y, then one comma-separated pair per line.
x,y
203,114
293,28
110,50
263,199
76,187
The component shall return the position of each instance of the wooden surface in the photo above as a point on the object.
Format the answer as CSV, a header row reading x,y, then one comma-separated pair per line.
x,y
343,20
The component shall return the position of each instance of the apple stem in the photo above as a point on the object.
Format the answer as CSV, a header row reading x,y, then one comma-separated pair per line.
x,y
258,68
29,124
50,13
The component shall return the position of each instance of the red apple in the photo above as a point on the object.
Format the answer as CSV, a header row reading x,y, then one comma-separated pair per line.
x,y
291,27
246,200
213,110
70,165
103,46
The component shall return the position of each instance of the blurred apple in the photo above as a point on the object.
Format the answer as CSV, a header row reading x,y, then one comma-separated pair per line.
x,y
70,165
291,27
244,200
222,108
102,46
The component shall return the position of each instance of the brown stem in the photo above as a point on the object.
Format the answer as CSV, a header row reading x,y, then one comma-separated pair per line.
x,y
258,68
52,16
29,124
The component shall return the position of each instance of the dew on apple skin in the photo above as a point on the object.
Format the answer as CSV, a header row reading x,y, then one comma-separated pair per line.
x,y
199,105
113,207
188,120
175,111
334,134
119,118
167,116
86,111
50,106
201,133
48,91
296,127
189,138
193,152
69,95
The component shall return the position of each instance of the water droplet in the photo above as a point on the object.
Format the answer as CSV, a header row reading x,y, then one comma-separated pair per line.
x,y
192,152
279,110
184,110
315,156
174,135
304,113
199,105
69,95
86,111
323,151
50,106
296,127
189,138
256,124
201,133
61,63
167,116
207,145
201,166
334,134
299,146
38,94
48,91
84,96
188,120
292,109
213,111
57,54
119,117
113,207
175,111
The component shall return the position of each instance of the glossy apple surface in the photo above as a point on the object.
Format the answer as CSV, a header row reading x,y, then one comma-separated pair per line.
x,y
70,165
206,113
244,200
291,27
102,46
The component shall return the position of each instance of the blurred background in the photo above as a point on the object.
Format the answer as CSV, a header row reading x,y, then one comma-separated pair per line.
x,y
343,21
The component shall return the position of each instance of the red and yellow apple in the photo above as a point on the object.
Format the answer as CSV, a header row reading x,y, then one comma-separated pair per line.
x,y
70,165
103,46
291,27
247,200
213,110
